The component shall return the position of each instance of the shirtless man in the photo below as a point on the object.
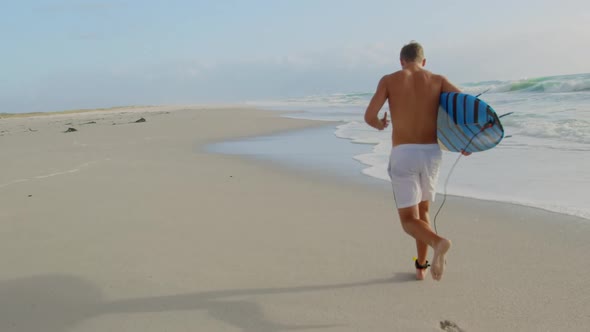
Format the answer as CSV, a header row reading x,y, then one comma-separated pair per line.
x,y
413,95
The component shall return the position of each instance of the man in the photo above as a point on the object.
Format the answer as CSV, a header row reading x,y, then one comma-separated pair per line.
x,y
413,94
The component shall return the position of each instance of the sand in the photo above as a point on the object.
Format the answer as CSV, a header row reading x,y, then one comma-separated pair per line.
x,y
124,226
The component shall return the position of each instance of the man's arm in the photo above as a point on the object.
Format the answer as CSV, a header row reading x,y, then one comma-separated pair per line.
x,y
447,86
372,112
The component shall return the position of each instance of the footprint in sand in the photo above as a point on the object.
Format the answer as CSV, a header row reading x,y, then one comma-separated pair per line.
x,y
449,326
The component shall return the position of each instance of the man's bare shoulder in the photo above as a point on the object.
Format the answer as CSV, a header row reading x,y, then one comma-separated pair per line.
x,y
387,77
437,77
395,77
399,73
430,75
446,85
405,73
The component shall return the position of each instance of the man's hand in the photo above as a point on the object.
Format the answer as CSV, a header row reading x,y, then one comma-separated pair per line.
x,y
384,122
465,153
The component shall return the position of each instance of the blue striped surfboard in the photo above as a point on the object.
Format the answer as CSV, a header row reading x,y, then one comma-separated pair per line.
x,y
467,123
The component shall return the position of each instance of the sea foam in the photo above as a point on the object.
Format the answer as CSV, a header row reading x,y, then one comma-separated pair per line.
x,y
545,163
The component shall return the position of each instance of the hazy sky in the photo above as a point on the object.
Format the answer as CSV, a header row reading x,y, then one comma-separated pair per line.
x,y
66,54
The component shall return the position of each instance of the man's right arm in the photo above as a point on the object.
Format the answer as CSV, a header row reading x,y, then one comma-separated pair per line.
x,y
447,86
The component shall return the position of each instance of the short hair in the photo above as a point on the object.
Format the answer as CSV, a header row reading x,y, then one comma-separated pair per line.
x,y
412,52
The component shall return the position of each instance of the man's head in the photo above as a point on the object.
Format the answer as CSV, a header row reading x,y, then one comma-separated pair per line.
x,y
412,53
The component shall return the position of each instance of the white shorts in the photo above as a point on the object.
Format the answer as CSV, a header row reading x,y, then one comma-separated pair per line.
x,y
413,169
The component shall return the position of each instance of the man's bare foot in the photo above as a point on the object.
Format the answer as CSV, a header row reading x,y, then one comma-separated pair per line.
x,y
438,260
420,274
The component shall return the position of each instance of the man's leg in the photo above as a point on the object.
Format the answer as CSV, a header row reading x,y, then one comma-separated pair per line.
x,y
421,247
419,229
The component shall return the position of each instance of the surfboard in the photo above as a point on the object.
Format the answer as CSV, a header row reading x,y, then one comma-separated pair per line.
x,y
467,123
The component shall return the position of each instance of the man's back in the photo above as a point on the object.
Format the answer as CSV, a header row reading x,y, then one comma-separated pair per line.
x,y
413,96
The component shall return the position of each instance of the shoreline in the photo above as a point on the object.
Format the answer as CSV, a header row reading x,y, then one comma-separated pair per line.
x,y
308,124
234,147
137,227
139,109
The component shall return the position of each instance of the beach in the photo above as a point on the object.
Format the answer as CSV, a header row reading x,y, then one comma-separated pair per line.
x,y
127,226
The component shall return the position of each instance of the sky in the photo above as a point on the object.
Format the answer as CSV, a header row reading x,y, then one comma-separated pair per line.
x,y
72,54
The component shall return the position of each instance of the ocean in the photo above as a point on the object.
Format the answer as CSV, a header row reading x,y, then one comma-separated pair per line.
x,y
545,163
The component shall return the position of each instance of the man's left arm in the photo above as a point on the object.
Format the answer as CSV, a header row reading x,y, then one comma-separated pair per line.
x,y
372,112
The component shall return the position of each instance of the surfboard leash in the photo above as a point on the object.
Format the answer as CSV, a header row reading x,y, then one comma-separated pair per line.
x,y
488,124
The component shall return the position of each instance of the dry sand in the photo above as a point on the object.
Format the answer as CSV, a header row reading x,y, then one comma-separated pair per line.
x,y
126,226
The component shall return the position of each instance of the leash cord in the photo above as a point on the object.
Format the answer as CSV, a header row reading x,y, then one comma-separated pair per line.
x,y
486,126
